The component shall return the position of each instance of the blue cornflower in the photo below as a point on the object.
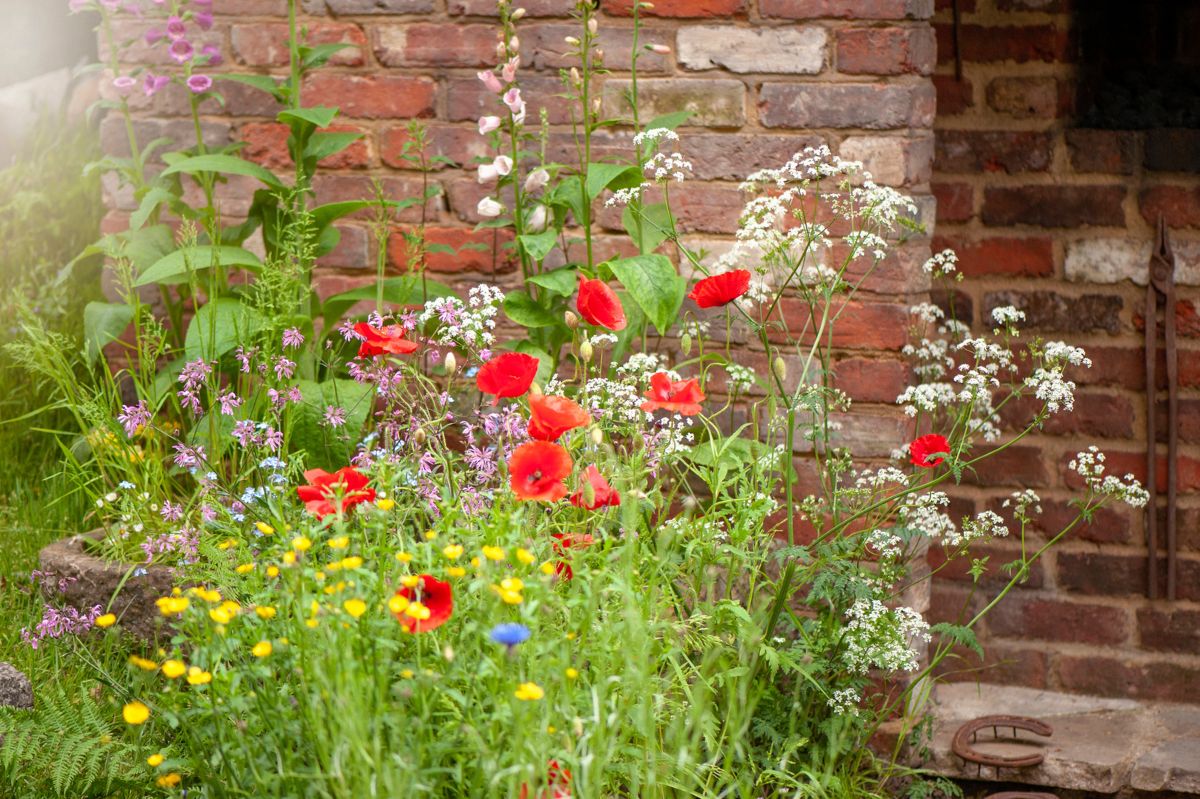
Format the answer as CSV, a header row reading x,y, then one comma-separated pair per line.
x,y
510,634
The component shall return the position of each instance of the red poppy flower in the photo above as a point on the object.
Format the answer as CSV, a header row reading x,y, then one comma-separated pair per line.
x,y
922,448
558,784
565,541
346,487
679,396
603,493
720,289
537,470
550,417
508,374
599,305
435,595
383,340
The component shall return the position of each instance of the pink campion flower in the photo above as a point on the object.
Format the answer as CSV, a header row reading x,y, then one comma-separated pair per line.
x,y
189,457
134,417
273,439
490,81
284,368
213,53
176,29
181,51
292,337
229,401
335,417
243,431
509,71
152,84
171,512
56,623
199,84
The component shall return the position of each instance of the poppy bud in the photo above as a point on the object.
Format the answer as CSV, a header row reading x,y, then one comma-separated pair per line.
x,y
689,503
593,26
780,368
585,351
535,389
577,727
597,435
570,320
419,437
685,343
451,363
589,493
518,13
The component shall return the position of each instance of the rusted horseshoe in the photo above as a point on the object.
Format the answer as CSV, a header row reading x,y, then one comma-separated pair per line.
x,y
962,746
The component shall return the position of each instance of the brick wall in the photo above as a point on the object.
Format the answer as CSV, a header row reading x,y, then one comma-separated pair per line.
x,y
1059,221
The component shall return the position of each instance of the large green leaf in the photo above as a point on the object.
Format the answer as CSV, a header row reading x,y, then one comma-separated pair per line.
x,y
654,285
154,197
103,322
648,226
225,164
538,245
399,290
603,176
219,326
317,116
175,267
329,448
560,281
669,121
323,145
324,214
524,310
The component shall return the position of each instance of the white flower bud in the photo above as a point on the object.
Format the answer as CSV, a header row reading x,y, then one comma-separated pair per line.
x,y
597,435
514,44
661,49
780,368
517,14
593,26
571,40
451,363
489,208
537,220
419,437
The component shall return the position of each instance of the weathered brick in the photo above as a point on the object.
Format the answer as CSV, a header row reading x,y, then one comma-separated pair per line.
x,y
1019,43
886,51
333,188
1111,676
899,273
372,97
679,8
733,156
1113,260
1045,6
266,144
954,304
266,45
955,201
467,99
1109,524
1017,257
1095,415
1109,152
1179,206
1014,466
1055,620
488,8
465,257
1024,98
973,151
996,571
871,379
799,51
861,325
435,45
1100,574
272,8
353,250
461,145
707,208
714,103
1169,630
1002,664
348,7
872,106
1053,312
1054,206
544,46
892,160
847,9
1172,150
953,96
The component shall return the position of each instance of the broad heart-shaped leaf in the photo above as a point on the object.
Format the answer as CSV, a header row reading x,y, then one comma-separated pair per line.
x,y
569,193
218,327
325,447
323,145
538,245
317,116
524,310
175,267
561,281
103,322
545,362
399,290
654,285
654,221
142,247
669,121
225,164
603,176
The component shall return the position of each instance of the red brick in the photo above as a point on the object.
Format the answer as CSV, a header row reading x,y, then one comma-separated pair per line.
x,y
1017,257
899,272
678,8
1108,152
467,100
874,106
846,9
871,379
1188,423
701,208
1187,319
1055,620
1054,206
1110,524
543,46
435,45
467,258
1099,574
973,151
964,6
1016,466
955,201
353,250
1095,415
1121,463
461,145
991,43
332,188
1178,205
1003,664
266,144
861,325
886,51
1169,630
247,8
1116,366
266,45
953,96
487,8
372,97
994,576
1108,676
1025,98
733,156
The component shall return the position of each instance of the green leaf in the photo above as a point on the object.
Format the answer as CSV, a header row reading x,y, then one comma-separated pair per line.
x,y
264,83
669,121
524,310
655,222
317,116
218,327
603,176
143,247
326,447
323,145
568,193
399,290
654,285
635,323
103,322
155,197
225,164
964,636
313,56
561,281
175,267
538,245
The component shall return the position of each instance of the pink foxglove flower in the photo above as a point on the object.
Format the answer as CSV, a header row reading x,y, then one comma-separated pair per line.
x,y
204,19
509,71
536,180
488,124
213,53
124,85
490,80
512,99
501,166
152,84
176,28
199,83
154,36
489,208
181,50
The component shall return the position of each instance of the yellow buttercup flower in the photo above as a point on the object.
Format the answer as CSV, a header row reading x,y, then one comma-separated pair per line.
x,y
143,663
265,612
525,556
228,543
289,557
272,571
311,623
398,603
261,649
198,676
220,615
352,562
107,620
404,557
547,568
475,563
456,571
493,553
341,542
168,780
512,584
265,528
417,611
173,668
407,674
245,568
410,581
172,605
571,673
301,543
385,504
529,692
155,760
355,607
135,713
452,551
